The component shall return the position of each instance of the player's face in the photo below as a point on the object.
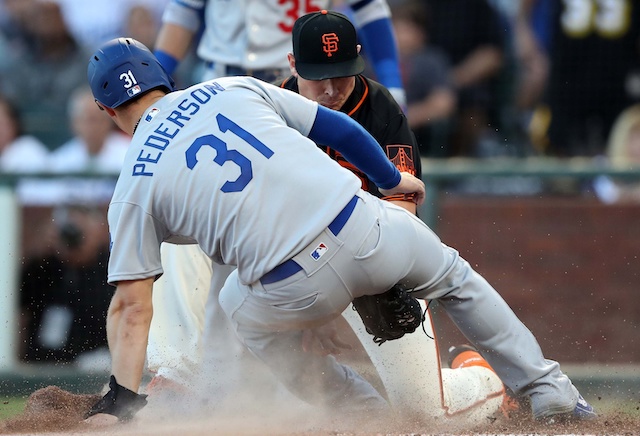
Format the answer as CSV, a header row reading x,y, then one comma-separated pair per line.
x,y
331,93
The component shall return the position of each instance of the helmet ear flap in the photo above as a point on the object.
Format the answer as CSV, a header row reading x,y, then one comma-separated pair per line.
x,y
123,69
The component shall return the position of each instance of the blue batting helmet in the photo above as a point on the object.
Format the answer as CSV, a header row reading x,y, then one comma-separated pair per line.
x,y
122,70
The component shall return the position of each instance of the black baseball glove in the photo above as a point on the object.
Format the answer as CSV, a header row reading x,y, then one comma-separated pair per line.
x,y
119,401
389,315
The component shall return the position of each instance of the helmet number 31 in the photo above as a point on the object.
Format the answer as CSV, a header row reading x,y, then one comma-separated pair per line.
x,y
129,79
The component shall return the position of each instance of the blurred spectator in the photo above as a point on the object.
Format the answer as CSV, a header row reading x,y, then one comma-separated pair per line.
x,y
6,53
510,115
431,97
103,20
142,25
530,51
98,145
14,18
623,152
592,51
40,80
19,153
470,32
64,296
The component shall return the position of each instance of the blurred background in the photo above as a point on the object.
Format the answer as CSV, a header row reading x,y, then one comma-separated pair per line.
x,y
528,117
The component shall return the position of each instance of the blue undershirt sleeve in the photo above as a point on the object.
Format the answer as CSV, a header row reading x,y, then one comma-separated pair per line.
x,y
340,132
168,62
379,43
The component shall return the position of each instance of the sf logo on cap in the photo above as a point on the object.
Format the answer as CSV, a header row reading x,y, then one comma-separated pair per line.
x,y
330,43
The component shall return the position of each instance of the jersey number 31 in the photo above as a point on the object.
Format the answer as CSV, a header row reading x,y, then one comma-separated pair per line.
x,y
223,154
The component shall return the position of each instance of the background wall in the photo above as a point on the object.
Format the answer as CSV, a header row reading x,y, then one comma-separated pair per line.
x,y
568,266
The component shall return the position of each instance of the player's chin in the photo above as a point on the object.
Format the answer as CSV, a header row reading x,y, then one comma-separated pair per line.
x,y
332,104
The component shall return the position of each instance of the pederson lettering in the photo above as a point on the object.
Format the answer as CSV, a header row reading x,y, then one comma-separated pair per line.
x,y
161,137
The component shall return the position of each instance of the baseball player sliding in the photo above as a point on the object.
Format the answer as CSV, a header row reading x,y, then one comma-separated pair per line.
x,y
202,164
181,294
253,38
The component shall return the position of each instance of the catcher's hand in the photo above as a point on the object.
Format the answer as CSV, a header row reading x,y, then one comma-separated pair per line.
x,y
409,184
389,315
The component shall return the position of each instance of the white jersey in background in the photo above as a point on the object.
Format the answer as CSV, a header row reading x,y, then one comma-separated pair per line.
x,y
255,34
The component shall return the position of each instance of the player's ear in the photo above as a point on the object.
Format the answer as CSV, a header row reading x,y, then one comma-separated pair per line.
x,y
108,110
104,108
292,64
358,48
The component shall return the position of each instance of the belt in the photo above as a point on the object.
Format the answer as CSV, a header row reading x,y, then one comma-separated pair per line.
x,y
266,74
290,267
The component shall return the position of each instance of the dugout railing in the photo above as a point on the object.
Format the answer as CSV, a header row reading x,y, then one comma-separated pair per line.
x,y
437,173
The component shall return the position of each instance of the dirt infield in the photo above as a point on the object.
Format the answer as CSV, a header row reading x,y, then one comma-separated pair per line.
x,y
52,410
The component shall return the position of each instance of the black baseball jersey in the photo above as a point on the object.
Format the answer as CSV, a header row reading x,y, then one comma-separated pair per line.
x,y
373,107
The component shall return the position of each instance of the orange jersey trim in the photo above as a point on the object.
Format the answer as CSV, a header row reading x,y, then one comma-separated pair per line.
x,y
362,99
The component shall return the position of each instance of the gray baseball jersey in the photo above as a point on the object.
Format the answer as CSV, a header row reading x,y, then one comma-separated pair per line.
x,y
218,160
